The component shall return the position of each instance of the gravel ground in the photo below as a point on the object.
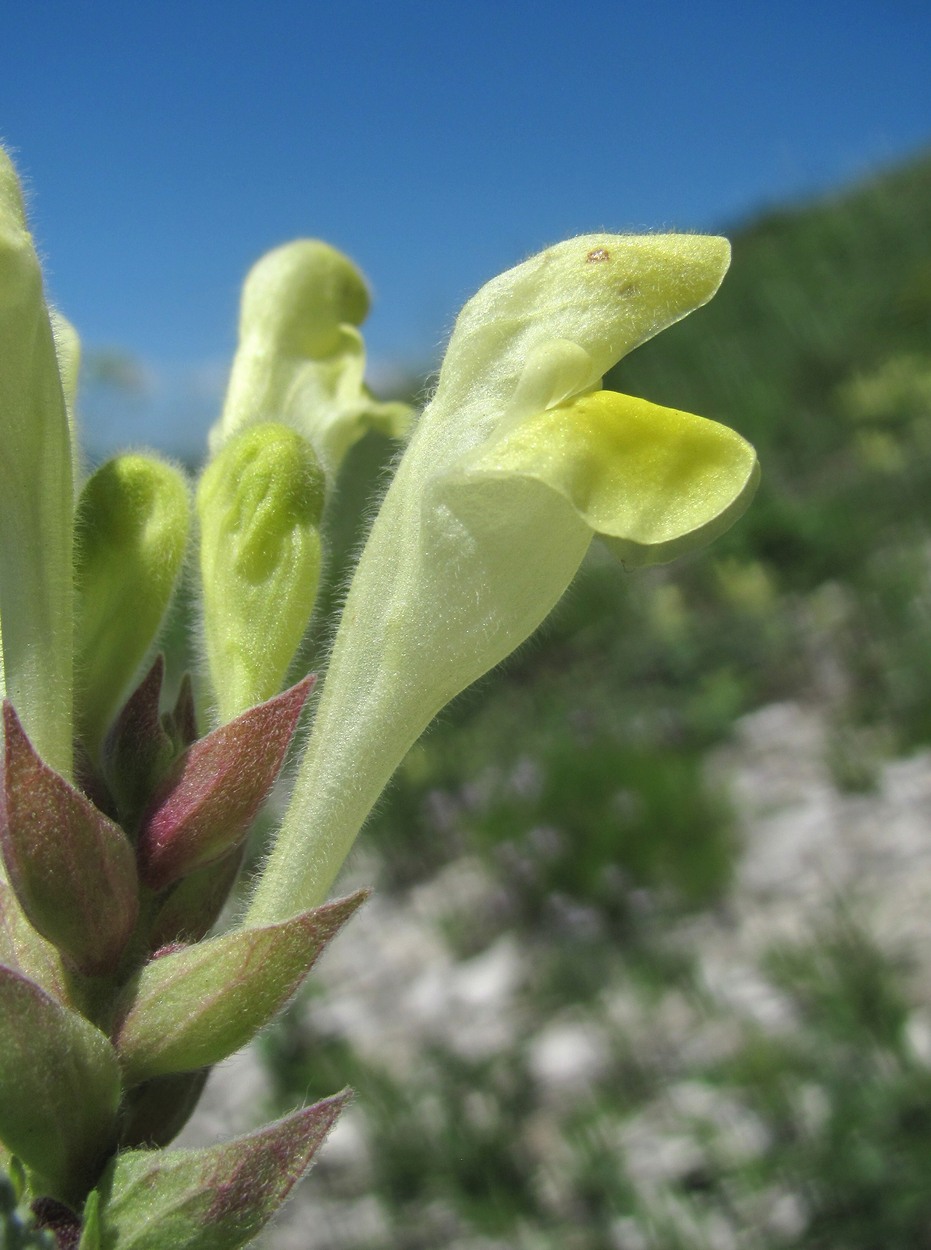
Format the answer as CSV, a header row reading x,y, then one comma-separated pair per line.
x,y
393,987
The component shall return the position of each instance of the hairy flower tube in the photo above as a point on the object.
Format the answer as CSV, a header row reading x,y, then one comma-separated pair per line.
x,y
519,460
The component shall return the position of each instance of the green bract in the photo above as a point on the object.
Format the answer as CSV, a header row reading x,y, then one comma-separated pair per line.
x,y
217,1198
59,1087
301,359
513,467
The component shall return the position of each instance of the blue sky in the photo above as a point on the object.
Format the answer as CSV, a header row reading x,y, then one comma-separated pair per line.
x,y
168,145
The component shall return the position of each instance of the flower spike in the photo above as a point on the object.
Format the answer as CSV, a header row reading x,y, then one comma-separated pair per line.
x,y
116,863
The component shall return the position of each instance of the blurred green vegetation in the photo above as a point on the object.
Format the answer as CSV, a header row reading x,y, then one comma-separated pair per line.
x,y
861,1159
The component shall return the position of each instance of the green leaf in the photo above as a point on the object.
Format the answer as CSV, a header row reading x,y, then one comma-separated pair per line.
x,y
59,1088
194,1007
73,869
90,1229
213,1199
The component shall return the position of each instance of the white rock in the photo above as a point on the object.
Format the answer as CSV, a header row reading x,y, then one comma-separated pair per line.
x,y
569,1057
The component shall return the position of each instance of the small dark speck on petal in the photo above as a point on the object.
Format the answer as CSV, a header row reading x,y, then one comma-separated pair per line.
x,y
628,291
599,253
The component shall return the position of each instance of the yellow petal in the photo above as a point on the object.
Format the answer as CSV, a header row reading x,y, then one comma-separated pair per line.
x,y
652,481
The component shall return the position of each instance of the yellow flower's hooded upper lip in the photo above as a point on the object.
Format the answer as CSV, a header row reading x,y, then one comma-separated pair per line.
x,y
552,327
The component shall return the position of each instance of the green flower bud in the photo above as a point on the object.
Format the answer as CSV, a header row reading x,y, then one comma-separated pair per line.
x,y
36,494
299,295
259,503
132,527
301,359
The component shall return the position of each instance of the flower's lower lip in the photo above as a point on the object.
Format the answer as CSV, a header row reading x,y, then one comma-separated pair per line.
x,y
654,481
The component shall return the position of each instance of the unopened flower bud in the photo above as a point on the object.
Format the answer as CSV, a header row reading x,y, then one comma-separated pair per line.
x,y
259,503
301,359
132,526
298,296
